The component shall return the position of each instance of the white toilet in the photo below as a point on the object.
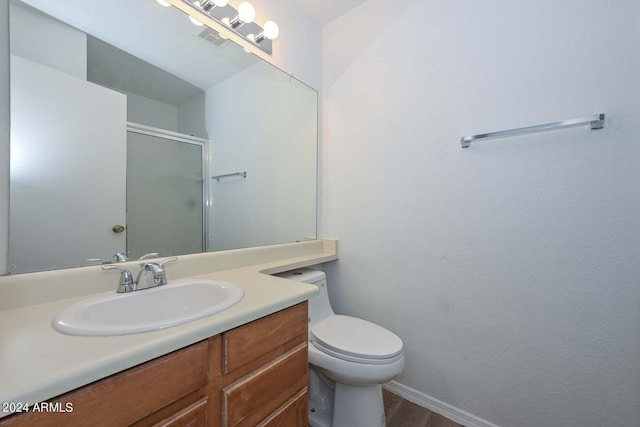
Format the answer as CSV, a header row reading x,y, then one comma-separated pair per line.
x,y
349,359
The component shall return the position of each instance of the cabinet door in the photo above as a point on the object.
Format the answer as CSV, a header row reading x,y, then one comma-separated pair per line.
x,y
129,396
193,416
293,413
277,332
254,397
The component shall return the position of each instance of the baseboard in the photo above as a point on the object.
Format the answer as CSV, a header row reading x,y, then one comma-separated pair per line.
x,y
435,405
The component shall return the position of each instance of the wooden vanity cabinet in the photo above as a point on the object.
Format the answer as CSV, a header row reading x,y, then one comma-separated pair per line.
x,y
264,365
253,375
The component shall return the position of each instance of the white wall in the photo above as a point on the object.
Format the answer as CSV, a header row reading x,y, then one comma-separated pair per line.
x,y
149,112
510,269
191,117
49,42
187,118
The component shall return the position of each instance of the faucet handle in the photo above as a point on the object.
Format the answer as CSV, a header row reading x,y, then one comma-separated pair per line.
x,y
120,257
155,270
160,264
126,278
163,262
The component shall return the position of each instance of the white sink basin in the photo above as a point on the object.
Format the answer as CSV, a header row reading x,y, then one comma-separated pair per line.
x,y
147,310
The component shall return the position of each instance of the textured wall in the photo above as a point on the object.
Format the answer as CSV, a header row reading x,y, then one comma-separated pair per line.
x,y
510,269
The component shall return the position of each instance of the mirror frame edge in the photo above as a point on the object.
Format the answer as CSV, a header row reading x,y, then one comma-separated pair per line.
x,y
5,138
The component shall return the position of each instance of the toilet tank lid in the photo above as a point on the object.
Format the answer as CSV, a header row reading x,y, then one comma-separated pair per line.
x,y
306,275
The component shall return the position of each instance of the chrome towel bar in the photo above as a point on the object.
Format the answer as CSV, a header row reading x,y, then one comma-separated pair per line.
x,y
596,121
227,175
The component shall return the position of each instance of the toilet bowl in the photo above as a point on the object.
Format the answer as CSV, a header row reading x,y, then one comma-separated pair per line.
x,y
349,360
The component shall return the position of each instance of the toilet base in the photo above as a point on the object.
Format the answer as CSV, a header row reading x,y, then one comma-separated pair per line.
x,y
320,418
355,406
320,399
334,404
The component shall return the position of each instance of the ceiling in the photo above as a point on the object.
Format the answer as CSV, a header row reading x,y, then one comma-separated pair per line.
x,y
325,11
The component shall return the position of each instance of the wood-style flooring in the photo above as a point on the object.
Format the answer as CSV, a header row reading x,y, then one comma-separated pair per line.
x,y
402,413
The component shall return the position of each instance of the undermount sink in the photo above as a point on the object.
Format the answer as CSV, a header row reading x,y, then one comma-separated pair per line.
x,y
147,310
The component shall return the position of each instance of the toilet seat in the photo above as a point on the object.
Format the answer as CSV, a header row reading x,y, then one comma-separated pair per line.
x,y
356,340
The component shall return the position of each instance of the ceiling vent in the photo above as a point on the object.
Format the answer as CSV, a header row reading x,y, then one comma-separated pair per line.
x,y
213,37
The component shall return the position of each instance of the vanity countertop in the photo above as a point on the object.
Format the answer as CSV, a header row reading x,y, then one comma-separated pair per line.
x,y
38,363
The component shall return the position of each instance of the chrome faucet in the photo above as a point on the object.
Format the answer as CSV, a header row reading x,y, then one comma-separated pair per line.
x,y
151,274
126,278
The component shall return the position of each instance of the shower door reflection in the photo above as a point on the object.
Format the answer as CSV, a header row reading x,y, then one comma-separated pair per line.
x,y
164,195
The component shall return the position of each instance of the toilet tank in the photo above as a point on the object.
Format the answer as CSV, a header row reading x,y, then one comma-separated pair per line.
x,y
319,305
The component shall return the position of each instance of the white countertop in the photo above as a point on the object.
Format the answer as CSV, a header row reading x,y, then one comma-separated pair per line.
x,y
38,363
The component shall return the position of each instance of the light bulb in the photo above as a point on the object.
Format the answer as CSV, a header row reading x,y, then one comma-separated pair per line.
x,y
246,12
195,22
207,5
164,3
226,21
271,30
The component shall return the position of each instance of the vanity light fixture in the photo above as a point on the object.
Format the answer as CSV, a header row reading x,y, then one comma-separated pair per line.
x,y
210,4
270,31
240,21
246,15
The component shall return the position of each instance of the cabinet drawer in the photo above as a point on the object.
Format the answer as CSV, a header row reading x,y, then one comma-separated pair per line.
x,y
253,397
248,342
192,416
291,414
128,396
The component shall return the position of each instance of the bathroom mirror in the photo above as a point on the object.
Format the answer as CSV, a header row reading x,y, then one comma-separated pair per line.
x,y
136,131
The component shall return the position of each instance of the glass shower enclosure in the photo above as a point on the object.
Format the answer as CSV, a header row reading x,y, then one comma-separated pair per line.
x,y
165,192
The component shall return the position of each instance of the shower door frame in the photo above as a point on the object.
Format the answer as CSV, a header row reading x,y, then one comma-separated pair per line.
x,y
205,146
